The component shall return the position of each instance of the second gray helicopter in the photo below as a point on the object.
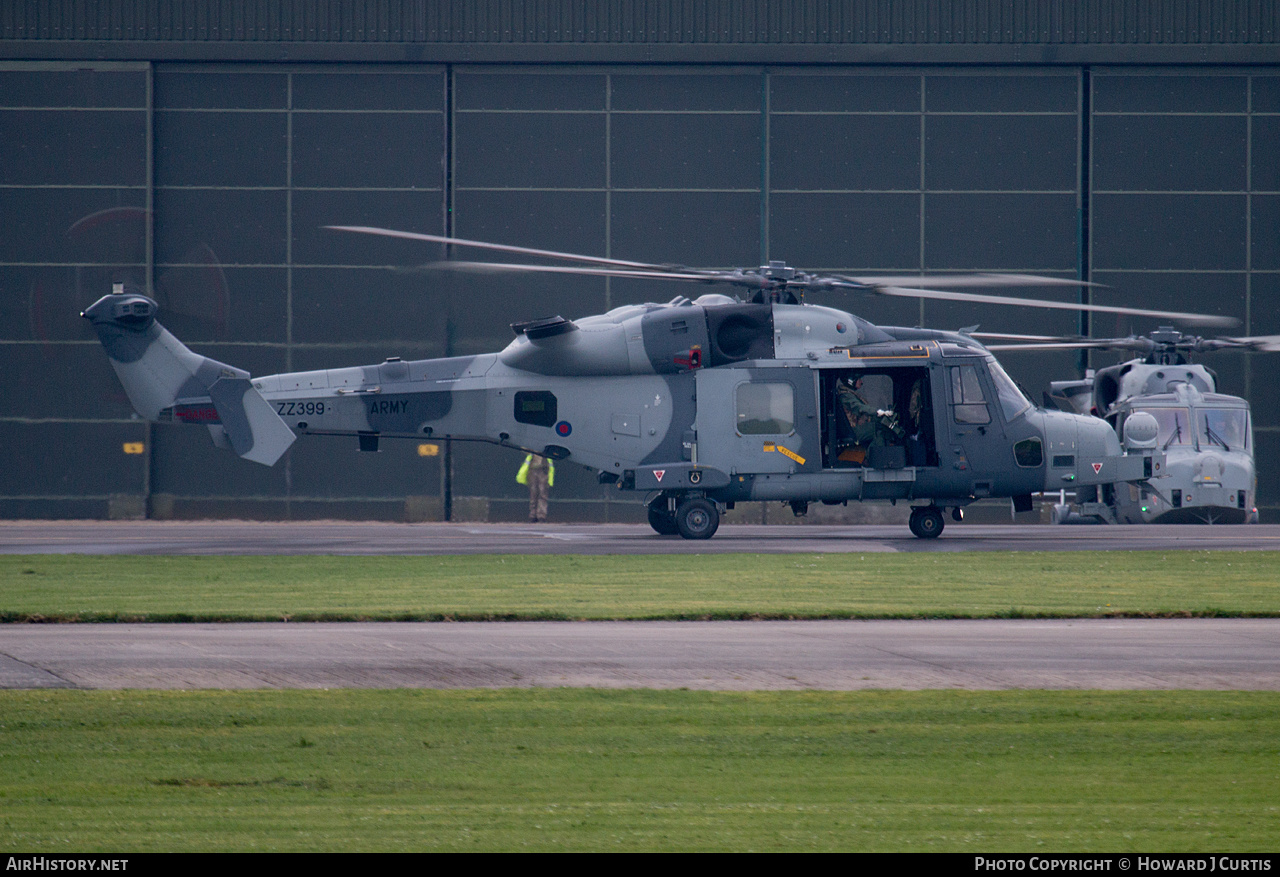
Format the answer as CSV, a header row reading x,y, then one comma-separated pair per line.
x,y
1163,401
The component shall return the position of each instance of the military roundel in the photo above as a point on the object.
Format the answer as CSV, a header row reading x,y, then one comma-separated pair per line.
x,y
563,428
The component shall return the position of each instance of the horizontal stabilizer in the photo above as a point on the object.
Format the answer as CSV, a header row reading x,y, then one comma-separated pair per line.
x,y
255,431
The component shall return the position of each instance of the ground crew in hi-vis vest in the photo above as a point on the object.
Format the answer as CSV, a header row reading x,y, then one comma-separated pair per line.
x,y
540,474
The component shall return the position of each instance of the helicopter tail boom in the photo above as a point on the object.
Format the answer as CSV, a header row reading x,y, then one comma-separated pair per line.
x,y
165,380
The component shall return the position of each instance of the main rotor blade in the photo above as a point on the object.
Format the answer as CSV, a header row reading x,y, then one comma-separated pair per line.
x,y
1262,343
1004,336
1194,319
505,267
1066,345
1060,342
953,281
501,248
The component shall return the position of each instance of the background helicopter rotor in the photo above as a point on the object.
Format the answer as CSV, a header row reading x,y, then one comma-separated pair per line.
x,y
1164,340
918,292
788,283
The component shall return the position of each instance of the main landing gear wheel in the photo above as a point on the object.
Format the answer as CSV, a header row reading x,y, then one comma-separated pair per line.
x,y
697,518
662,521
926,522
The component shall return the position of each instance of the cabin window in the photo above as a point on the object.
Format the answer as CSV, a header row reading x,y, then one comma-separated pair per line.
x,y
968,401
766,409
536,408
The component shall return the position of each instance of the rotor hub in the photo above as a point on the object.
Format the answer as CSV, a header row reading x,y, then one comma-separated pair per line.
x,y
779,272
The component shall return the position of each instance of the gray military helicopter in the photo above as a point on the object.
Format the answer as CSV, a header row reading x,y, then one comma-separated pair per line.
x,y
1164,401
698,403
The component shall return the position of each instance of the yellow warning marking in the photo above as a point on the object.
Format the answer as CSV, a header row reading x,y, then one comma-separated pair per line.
x,y
785,451
426,449
133,447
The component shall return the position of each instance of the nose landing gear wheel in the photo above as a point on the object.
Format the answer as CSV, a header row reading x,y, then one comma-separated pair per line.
x,y
926,522
697,518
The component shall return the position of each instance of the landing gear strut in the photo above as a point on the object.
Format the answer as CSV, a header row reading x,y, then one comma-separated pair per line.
x,y
661,520
926,522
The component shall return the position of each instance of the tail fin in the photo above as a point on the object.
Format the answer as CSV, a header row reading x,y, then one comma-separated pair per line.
x,y
167,381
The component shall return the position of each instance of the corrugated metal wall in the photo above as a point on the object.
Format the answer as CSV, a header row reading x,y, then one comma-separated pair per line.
x,y
166,142
691,22
211,185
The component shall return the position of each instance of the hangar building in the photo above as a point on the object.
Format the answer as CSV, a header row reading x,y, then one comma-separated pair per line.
x,y
197,147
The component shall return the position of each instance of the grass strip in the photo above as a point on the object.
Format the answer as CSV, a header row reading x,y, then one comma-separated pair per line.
x,y
571,587
639,770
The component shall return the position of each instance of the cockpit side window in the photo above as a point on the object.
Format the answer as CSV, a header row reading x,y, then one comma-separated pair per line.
x,y
967,400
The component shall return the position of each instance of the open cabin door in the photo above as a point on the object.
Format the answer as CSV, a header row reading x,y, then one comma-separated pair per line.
x,y
758,420
877,417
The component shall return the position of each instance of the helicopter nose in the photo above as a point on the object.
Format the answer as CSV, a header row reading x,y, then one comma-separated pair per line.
x,y
1060,432
1097,437
1098,446
1210,467
1081,450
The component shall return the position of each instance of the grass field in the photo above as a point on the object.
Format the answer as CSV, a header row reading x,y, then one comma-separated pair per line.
x,y
639,770
1062,584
